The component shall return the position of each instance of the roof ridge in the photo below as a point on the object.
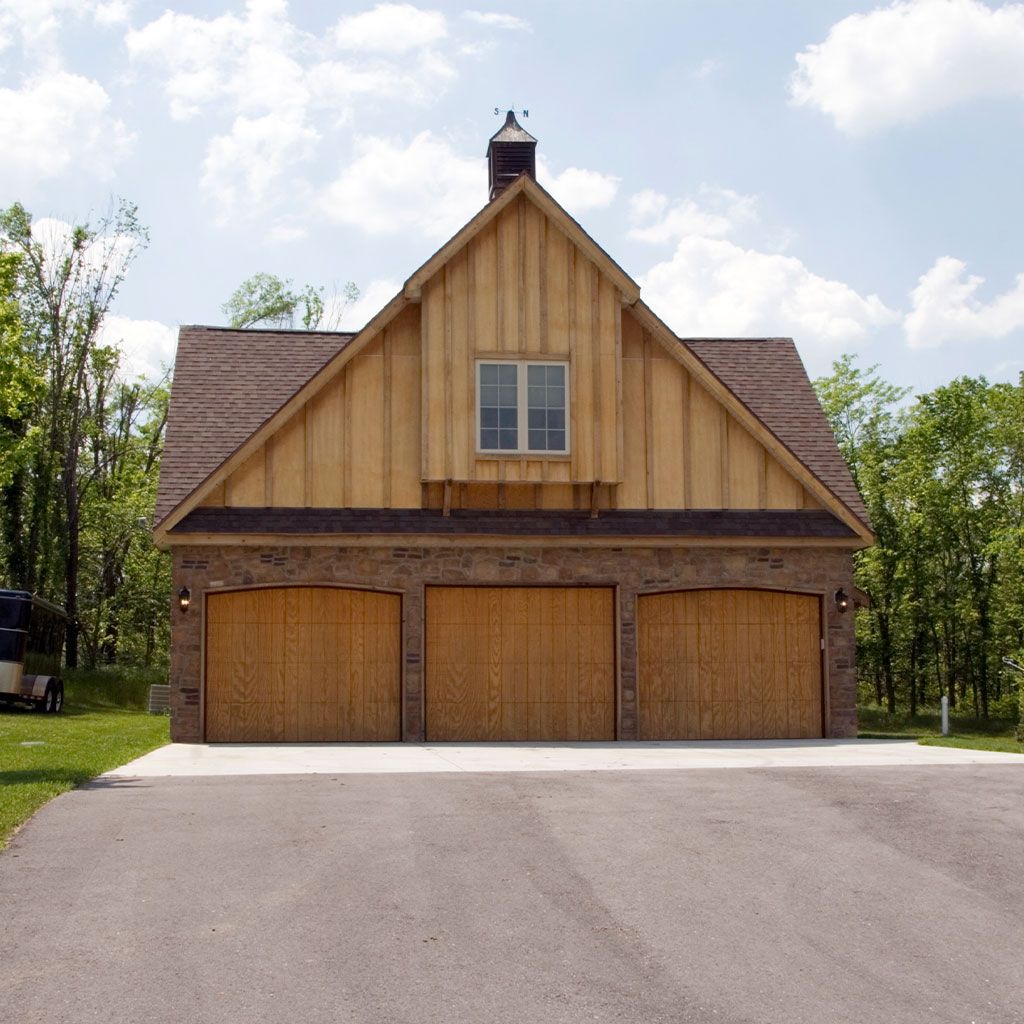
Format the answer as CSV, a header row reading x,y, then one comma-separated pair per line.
x,y
266,330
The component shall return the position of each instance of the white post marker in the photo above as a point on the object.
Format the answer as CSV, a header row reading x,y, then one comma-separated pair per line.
x,y
945,715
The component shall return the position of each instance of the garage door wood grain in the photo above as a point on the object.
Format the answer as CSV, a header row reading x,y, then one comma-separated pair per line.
x,y
298,664
729,664
520,663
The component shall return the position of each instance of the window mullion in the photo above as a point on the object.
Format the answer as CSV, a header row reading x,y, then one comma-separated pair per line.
x,y
521,376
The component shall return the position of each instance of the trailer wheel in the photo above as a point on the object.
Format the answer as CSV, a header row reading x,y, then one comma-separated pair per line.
x,y
52,700
58,700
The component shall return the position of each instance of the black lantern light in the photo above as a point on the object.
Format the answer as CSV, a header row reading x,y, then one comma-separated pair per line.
x,y
184,599
842,601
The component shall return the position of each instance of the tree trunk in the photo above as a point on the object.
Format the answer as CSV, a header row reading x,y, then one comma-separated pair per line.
x,y
913,675
885,657
71,569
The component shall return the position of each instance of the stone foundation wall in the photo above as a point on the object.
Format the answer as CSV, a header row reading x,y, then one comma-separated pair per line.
x,y
409,569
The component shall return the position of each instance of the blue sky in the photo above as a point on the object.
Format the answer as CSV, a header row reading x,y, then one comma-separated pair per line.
x,y
844,173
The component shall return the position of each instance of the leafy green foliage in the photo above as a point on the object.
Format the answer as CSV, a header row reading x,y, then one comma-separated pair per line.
x,y
79,444
274,302
943,480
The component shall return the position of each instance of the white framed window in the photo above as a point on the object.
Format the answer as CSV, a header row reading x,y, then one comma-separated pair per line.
x,y
522,407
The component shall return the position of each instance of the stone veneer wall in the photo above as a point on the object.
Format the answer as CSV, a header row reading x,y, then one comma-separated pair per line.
x,y
410,569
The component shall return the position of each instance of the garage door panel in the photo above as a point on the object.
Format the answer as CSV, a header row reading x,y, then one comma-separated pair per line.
x,y
721,664
597,720
524,663
295,664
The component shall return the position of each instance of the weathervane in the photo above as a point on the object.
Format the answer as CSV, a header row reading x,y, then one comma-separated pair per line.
x,y
498,111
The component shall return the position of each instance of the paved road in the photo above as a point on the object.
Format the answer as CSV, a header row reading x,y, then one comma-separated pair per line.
x,y
811,895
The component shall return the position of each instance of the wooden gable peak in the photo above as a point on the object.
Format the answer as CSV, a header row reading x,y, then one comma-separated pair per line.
x,y
526,187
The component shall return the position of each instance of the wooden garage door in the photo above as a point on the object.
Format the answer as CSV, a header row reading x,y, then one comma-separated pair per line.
x,y
520,663
295,664
729,664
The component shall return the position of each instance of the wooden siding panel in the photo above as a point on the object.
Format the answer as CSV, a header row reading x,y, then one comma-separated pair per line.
x,y
366,427
633,490
508,278
533,291
460,400
705,448
404,338
783,491
246,487
484,256
610,385
557,251
744,458
286,464
325,424
668,402
581,390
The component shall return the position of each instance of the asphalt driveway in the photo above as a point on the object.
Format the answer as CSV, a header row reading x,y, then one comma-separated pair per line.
x,y
782,895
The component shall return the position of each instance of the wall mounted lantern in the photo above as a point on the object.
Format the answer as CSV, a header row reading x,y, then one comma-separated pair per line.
x,y
184,599
842,601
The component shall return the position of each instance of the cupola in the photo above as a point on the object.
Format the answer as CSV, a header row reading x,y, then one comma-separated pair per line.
x,y
511,151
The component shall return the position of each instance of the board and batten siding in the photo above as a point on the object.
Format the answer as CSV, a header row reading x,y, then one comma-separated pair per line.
x,y
683,449
399,420
521,290
355,444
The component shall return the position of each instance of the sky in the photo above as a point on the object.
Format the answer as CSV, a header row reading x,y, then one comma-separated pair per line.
x,y
847,174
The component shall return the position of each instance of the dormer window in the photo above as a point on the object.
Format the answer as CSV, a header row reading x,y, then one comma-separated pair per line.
x,y
522,407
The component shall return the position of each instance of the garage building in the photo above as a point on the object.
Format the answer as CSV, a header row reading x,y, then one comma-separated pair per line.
x,y
515,506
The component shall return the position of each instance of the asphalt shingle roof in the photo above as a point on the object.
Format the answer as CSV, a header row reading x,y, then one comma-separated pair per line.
x,y
227,383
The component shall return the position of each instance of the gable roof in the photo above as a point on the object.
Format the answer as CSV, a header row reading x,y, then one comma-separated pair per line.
x,y
226,383
768,376
761,380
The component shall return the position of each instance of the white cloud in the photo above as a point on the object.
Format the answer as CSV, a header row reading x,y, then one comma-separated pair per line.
x,y
56,123
37,23
390,28
909,59
389,188
716,212
712,287
245,64
492,19
243,169
147,346
578,189
945,307
281,90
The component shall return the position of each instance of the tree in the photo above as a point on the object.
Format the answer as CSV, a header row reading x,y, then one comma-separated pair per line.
x,y
21,391
266,299
943,480
67,279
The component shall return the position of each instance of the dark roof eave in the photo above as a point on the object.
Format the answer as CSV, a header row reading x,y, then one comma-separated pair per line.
x,y
712,523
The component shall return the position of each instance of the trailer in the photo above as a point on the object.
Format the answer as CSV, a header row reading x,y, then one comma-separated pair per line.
x,y
31,651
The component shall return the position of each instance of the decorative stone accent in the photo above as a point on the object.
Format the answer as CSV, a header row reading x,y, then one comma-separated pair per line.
x,y
408,570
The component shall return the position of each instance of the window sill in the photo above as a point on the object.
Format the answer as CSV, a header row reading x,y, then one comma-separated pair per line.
x,y
533,456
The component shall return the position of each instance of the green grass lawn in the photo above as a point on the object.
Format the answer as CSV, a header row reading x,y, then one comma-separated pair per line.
x,y
103,725
964,732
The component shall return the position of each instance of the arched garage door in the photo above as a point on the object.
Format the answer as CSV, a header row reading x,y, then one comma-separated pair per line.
x,y
729,664
298,664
